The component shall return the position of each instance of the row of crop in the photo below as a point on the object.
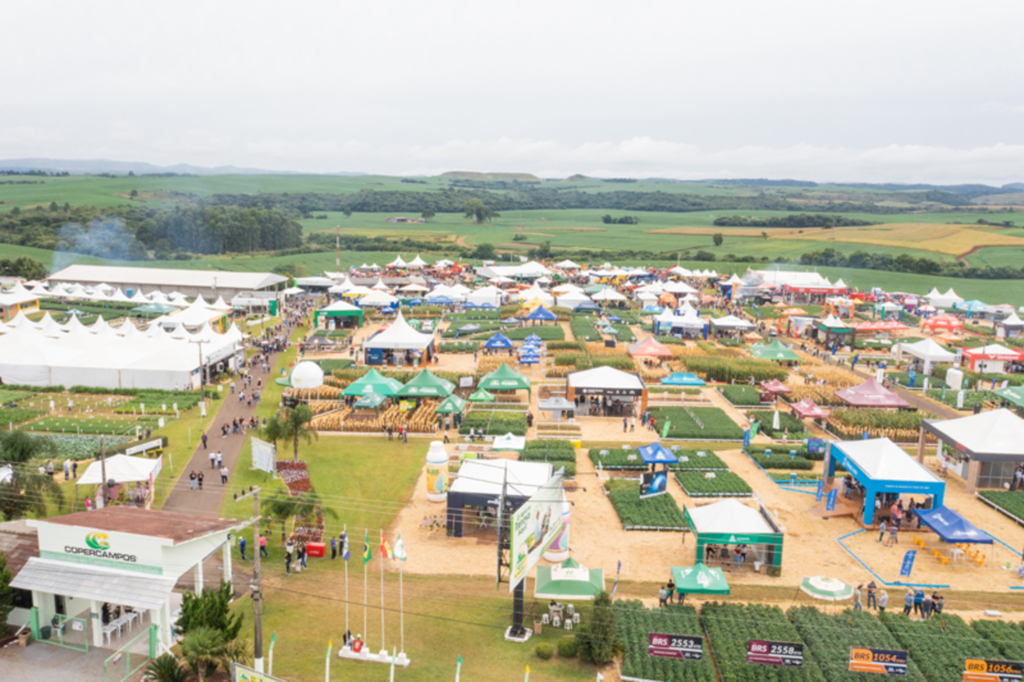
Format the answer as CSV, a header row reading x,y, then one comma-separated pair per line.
x,y
652,513
713,484
742,395
939,645
1011,502
729,370
560,453
494,423
898,426
951,398
789,425
634,624
459,347
696,423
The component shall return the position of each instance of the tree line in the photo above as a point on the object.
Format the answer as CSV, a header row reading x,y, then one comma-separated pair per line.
x,y
150,232
906,263
796,220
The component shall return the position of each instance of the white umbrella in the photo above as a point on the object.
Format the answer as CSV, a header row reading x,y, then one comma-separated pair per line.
x,y
829,589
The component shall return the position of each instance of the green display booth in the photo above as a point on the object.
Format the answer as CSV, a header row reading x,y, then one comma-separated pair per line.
x,y
720,527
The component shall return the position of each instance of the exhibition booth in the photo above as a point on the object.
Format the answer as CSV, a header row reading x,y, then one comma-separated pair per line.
x,y
720,527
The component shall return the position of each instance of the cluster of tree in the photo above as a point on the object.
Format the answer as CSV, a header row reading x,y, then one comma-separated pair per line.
x,y
764,182
624,220
22,266
37,173
618,180
189,229
794,220
349,242
907,263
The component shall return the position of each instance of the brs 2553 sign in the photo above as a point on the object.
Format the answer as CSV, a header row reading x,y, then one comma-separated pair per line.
x,y
676,646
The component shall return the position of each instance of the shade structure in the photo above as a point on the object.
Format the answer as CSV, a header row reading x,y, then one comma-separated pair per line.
x,y
509,442
370,400
498,342
650,347
828,589
951,526
683,379
808,410
925,350
731,323
871,394
990,358
587,307
776,351
656,453
880,466
121,469
1012,394
426,384
154,309
699,579
568,581
504,379
399,336
481,396
606,379
541,313
880,326
947,322
993,436
373,382
775,386
453,404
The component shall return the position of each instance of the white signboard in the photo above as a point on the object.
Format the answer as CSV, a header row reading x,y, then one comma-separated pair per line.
x,y
465,382
264,455
534,526
142,447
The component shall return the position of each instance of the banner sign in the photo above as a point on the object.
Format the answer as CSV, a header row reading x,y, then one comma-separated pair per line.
x,y
653,484
815,446
136,449
676,646
908,563
881,661
264,456
534,526
821,490
830,505
987,670
746,438
465,382
243,673
775,653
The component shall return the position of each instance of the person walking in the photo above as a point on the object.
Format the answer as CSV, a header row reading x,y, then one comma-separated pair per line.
x,y
883,601
857,606
908,602
918,600
287,563
405,433
334,548
926,606
671,587
632,425
302,555
199,480
894,530
224,475
204,441
881,531
213,460
263,546
192,479
220,459
74,470
662,597
241,545
625,424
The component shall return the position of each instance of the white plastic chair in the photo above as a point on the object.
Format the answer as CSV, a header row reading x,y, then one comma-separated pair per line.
x,y
568,624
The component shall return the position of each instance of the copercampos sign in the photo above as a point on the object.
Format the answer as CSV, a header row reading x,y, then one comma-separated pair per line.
x,y
97,546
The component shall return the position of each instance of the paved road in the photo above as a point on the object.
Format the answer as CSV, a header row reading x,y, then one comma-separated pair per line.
x,y
182,497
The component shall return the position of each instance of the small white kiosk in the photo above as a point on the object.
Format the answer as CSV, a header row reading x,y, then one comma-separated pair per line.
x,y
120,555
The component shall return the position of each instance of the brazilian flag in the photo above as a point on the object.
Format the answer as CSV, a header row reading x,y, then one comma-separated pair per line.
x,y
366,549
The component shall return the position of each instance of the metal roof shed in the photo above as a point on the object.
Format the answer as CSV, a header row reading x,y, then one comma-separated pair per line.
x,y
989,441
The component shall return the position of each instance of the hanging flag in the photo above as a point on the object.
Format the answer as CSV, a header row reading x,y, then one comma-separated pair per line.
x,y
399,553
385,548
344,546
366,549
615,585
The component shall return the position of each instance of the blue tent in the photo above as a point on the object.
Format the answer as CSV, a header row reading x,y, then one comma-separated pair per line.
x,y
529,359
486,306
415,302
542,314
655,453
614,318
441,300
533,338
952,527
587,307
682,379
469,304
652,309
499,341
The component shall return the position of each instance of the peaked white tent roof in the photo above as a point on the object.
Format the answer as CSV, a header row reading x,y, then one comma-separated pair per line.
x,y
488,294
730,322
605,378
380,286
566,288
993,436
377,299
120,468
1012,321
678,288
608,295
567,265
339,306
926,350
397,263
728,516
220,304
883,460
417,262
533,292
399,335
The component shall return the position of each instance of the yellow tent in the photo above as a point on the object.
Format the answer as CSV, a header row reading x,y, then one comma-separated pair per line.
x,y
534,304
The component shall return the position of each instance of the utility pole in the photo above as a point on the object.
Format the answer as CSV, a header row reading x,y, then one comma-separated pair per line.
x,y
257,596
337,248
103,471
202,371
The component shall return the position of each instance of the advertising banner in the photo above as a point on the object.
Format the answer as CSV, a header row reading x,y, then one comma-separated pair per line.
x,y
880,661
264,456
653,484
908,563
676,646
775,653
534,526
986,670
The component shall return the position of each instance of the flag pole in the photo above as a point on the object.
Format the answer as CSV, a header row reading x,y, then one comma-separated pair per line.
x,y
401,605
458,669
327,663
383,643
366,600
346,578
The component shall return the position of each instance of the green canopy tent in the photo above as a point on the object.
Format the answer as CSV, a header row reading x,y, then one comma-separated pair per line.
x,y
426,384
699,579
453,404
482,396
776,351
373,382
1013,395
568,581
371,401
504,379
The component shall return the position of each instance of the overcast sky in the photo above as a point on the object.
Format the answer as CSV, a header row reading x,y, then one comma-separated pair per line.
x,y
848,91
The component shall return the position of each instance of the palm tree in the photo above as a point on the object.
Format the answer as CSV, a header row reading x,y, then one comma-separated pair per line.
x,y
295,425
27,490
204,647
273,430
283,507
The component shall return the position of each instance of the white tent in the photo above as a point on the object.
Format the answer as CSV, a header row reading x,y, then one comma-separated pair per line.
x,y
678,288
571,299
491,294
399,336
377,299
946,300
883,460
605,378
533,292
731,323
926,350
121,469
566,289
397,263
417,262
993,436
413,289
567,265
729,516
220,304
608,295
380,286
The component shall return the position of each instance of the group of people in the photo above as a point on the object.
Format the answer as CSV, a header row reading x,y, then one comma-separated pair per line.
x,y
263,546
915,601
594,405
667,594
296,554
